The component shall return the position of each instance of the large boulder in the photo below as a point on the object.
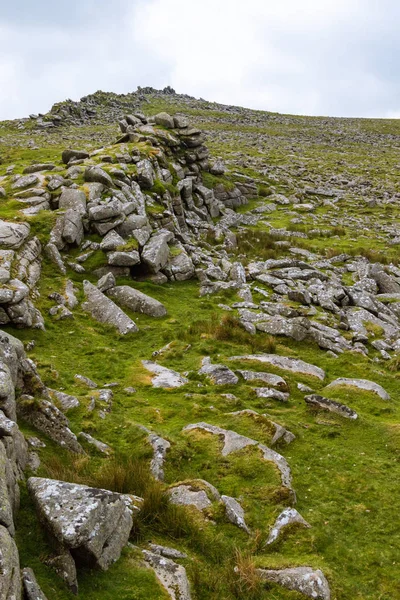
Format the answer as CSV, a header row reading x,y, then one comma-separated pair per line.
x,y
155,254
97,175
105,310
165,120
94,524
73,228
13,235
137,301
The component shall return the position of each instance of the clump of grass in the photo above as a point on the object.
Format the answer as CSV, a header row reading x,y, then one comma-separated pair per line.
x,y
264,191
130,245
124,474
244,581
257,244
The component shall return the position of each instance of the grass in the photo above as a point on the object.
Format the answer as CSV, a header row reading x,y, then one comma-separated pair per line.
x,y
345,473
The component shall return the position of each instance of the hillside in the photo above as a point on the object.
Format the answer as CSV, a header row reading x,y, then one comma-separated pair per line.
x,y
199,353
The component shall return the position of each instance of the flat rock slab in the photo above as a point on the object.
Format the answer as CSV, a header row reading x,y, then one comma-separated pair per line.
x,y
172,576
137,301
218,374
312,583
165,378
185,495
288,517
319,402
294,365
269,378
95,524
362,384
106,311
66,401
234,442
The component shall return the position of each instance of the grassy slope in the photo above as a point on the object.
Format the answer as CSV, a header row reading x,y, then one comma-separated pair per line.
x,y
345,474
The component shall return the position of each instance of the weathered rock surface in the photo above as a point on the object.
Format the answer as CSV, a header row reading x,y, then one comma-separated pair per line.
x,y
31,587
235,513
283,362
13,235
288,517
106,311
137,301
217,374
312,583
93,524
171,575
165,378
322,403
362,384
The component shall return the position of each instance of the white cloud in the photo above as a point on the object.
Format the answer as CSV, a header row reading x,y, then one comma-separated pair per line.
x,y
335,57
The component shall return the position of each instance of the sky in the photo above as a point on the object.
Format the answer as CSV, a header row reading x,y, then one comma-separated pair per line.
x,y
310,57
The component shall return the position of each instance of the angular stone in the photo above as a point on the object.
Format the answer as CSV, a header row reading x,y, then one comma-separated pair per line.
x,y
265,392
30,585
362,384
13,235
156,252
312,583
73,228
74,199
218,374
270,378
165,378
288,517
10,581
70,154
185,495
123,259
111,241
25,181
137,301
171,575
93,523
235,513
284,362
66,401
97,175
165,120
322,403
100,446
105,310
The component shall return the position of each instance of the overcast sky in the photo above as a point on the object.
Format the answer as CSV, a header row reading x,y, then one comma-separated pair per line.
x,y
314,57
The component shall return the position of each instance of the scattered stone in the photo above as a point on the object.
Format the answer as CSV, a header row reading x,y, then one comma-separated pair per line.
x,y
264,392
85,381
217,374
100,446
13,235
172,576
362,384
283,362
235,513
137,301
312,583
322,403
287,517
66,401
165,378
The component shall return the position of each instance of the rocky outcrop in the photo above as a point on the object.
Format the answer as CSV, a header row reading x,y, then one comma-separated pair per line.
x,y
321,403
285,363
362,384
136,301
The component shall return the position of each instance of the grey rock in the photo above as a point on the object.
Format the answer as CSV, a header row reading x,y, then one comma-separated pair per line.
x,y
123,259
137,301
13,235
165,120
66,401
64,565
288,517
85,381
235,513
70,154
105,210
172,576
100,446
106,282
47,418
186,495
73,228
73,199
218,168
97,175
105,310
160,447
293,365
10,581
165,378
25,181
166,551
54,255
362,384
312,583
146,175
265,392
111,241
31,587
296,328
94,523
269,378
319,402
7,392
155,253
218,374
6,260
